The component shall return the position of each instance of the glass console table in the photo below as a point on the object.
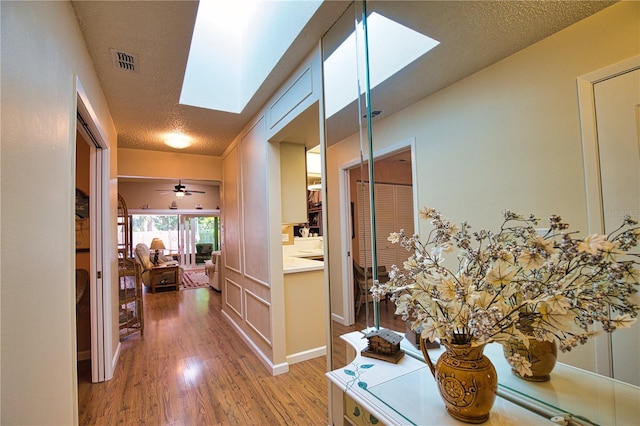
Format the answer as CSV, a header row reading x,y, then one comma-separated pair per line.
x,y
582,397
406,393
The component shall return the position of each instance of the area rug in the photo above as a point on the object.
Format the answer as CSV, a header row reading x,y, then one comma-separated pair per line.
x,y
194,279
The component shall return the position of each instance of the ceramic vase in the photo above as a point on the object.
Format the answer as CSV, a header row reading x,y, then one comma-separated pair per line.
x,y
541,354
466,379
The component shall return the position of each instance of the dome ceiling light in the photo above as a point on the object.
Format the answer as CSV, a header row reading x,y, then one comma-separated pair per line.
x,y
177,140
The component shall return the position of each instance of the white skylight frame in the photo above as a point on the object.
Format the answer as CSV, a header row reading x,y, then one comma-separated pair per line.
x,y
234,47
392,47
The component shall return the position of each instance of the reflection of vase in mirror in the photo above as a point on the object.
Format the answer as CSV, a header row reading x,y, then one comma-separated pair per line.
x,y
304,232
541,354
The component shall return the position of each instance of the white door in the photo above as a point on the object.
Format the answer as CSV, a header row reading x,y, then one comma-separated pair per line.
x,y
617,108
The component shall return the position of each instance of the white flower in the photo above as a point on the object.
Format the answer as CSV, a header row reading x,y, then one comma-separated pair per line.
x,y
520,364
592,243
446,289
611,250
501,274
624,321
530,260
394,238
557,304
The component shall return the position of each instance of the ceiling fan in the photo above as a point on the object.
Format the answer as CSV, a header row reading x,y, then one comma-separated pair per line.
x,y
180,190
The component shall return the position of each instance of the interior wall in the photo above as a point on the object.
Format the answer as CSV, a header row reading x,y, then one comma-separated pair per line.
x,y
252,218
168,165
505,137
245,257
42,53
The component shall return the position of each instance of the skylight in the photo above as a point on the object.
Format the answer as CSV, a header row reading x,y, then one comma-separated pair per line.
x,y
391,48
234,47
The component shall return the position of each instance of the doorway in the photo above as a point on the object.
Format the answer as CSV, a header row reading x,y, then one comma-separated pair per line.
x,y
395,195
103,353
610,113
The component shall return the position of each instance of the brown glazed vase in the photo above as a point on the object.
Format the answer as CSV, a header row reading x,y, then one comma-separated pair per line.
x,y
541,354
467,381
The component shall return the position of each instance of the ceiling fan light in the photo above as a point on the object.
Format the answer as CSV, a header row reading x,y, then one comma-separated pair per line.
x,y
180,194
177,140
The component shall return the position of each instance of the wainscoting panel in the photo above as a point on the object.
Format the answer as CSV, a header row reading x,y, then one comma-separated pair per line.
x,y
233,296
231,211
258,315
254,203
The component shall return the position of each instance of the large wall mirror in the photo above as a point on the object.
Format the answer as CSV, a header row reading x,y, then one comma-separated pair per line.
x,y
467,107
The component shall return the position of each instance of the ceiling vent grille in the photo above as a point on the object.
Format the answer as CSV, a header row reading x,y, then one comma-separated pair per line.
x,y
124,61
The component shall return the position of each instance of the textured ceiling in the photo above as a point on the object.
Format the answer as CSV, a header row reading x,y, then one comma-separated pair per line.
x,y
144,104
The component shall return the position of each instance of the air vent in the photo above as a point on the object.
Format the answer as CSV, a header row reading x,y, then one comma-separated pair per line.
x,y
124,61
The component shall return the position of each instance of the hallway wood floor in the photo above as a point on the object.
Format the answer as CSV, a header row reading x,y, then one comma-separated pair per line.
x,y
191,368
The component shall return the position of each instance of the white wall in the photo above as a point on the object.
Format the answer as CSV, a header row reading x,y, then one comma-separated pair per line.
x,y
42,51
505,137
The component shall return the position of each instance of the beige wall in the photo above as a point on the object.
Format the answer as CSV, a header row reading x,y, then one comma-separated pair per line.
x,y
169,165
305,314
505,137
42,52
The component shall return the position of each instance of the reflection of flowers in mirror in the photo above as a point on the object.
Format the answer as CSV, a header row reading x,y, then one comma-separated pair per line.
x,y
515,283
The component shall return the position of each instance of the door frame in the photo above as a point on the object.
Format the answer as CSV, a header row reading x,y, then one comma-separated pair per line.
x,y
348,296
100,288
593,188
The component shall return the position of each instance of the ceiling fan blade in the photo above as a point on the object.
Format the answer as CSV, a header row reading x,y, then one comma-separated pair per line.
x,y
196,192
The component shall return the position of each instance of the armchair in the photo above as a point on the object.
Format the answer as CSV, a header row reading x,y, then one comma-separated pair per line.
x,y
212,270
143,257
203,252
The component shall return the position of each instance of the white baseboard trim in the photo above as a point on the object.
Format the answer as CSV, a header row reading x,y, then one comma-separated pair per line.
x,y
339,319
275,369
84,355
306,355
116,357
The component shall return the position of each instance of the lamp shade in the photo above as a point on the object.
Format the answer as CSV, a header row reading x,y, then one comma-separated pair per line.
x,y
157,244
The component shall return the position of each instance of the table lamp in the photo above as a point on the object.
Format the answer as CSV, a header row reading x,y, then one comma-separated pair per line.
x,y
156,245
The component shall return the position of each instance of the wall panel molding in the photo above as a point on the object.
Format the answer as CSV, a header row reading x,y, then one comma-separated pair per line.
x,y
258,316
233,296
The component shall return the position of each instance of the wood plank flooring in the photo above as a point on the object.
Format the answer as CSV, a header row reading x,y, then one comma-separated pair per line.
x,y
191,368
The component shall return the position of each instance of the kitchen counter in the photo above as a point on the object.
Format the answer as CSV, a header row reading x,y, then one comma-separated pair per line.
x,y
293,264
311,248
316,252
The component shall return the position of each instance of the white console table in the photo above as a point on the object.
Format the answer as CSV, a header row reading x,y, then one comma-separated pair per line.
x,y
405,394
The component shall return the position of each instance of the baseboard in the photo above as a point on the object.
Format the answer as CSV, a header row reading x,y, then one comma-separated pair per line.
x,y
339,319
116,357
84,355
306,355
275,369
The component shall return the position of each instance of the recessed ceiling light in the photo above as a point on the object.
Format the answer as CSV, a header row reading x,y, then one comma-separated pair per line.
x,y
177,140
